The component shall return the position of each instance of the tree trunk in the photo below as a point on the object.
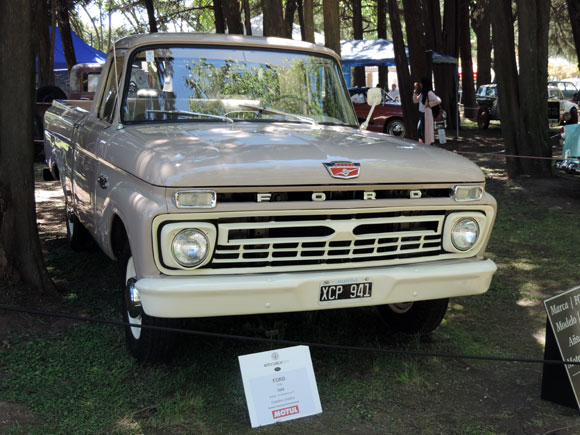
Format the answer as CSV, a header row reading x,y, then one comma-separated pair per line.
x,y
522,100
447,89
289,17
20,256
358,72
574,12
151,15
220,24
300,7
43,45
481,24
247,16
534,19
65,33
413,12
382,33
308,21
331,25
273,18
468,99
410,111
434,37
233,16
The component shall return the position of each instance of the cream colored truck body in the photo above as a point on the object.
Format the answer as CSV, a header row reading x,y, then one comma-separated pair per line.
x,y
281,226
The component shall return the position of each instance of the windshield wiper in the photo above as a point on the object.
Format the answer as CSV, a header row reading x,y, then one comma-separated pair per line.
x,y
264,109
185,112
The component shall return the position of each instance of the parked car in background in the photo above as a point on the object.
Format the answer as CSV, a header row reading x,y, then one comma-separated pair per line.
x,y
560,109
84,78
568,88
387,116
567,110
488,107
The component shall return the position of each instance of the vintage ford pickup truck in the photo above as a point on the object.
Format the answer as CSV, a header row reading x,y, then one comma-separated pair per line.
x,y
228,175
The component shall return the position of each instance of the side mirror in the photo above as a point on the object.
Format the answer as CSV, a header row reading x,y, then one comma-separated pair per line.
x,y
374,97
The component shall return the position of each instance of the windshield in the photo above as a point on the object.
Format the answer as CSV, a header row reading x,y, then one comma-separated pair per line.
x,y
208,84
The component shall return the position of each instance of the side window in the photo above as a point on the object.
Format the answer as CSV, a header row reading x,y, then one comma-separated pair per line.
x,y
106,111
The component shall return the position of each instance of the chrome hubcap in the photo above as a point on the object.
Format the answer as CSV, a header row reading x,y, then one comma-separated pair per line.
x,y
133,300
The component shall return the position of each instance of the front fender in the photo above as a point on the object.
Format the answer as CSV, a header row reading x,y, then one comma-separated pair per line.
x,y
136,203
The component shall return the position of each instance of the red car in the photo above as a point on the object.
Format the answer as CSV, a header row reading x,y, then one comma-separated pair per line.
x,y
387,116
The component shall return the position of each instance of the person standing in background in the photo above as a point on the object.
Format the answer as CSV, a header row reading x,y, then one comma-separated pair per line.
x,y
426,98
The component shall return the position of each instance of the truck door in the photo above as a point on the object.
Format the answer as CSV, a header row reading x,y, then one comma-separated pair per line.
x,y
91,135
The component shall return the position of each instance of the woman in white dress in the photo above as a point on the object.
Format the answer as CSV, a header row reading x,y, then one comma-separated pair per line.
x,y
426,98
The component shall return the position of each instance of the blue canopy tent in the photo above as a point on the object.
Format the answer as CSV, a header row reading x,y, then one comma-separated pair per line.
x,y
83,51
376,52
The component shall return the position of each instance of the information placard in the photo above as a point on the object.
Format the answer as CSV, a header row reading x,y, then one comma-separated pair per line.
x,y
279,385
563,313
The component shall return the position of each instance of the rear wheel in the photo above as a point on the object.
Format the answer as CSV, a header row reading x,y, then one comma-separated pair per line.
x,y
395,127
78,237
146,345
420,317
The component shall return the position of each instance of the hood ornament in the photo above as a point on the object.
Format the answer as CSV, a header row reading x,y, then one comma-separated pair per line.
x,y
344,170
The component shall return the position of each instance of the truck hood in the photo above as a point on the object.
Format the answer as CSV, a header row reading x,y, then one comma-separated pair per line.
x,y
254,154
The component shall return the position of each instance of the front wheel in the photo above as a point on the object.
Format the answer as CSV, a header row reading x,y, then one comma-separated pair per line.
x,y
420,317
146,345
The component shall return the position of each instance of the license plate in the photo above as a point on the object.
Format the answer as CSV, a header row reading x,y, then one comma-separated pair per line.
x,y
340,290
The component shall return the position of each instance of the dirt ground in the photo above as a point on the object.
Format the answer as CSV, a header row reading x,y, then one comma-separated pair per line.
x,y
485,148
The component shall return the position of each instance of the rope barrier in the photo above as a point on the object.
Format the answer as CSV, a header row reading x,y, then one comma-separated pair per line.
x,y
286,342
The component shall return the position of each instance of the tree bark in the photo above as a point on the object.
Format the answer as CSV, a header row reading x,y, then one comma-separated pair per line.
x,y
414,18
65,33
447,88
434,37
20,256
331,25
220,24
522,99
410,111
273,18
233,16
247,16
382,33
151,16
574,12
468,99
358,72
43,45
481,24
300,7
289,17
308,21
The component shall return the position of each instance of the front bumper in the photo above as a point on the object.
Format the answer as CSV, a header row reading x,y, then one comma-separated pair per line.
x,y
224,295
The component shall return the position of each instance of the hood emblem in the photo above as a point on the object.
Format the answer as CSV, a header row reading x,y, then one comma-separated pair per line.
x,y
343,170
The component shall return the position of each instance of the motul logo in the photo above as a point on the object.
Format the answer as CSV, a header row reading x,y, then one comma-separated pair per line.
x,y
285,412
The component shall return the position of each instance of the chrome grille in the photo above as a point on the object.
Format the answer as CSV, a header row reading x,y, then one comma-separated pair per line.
x,y
319,240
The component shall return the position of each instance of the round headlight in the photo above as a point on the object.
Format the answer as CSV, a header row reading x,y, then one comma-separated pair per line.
x,y
190,247
465,233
